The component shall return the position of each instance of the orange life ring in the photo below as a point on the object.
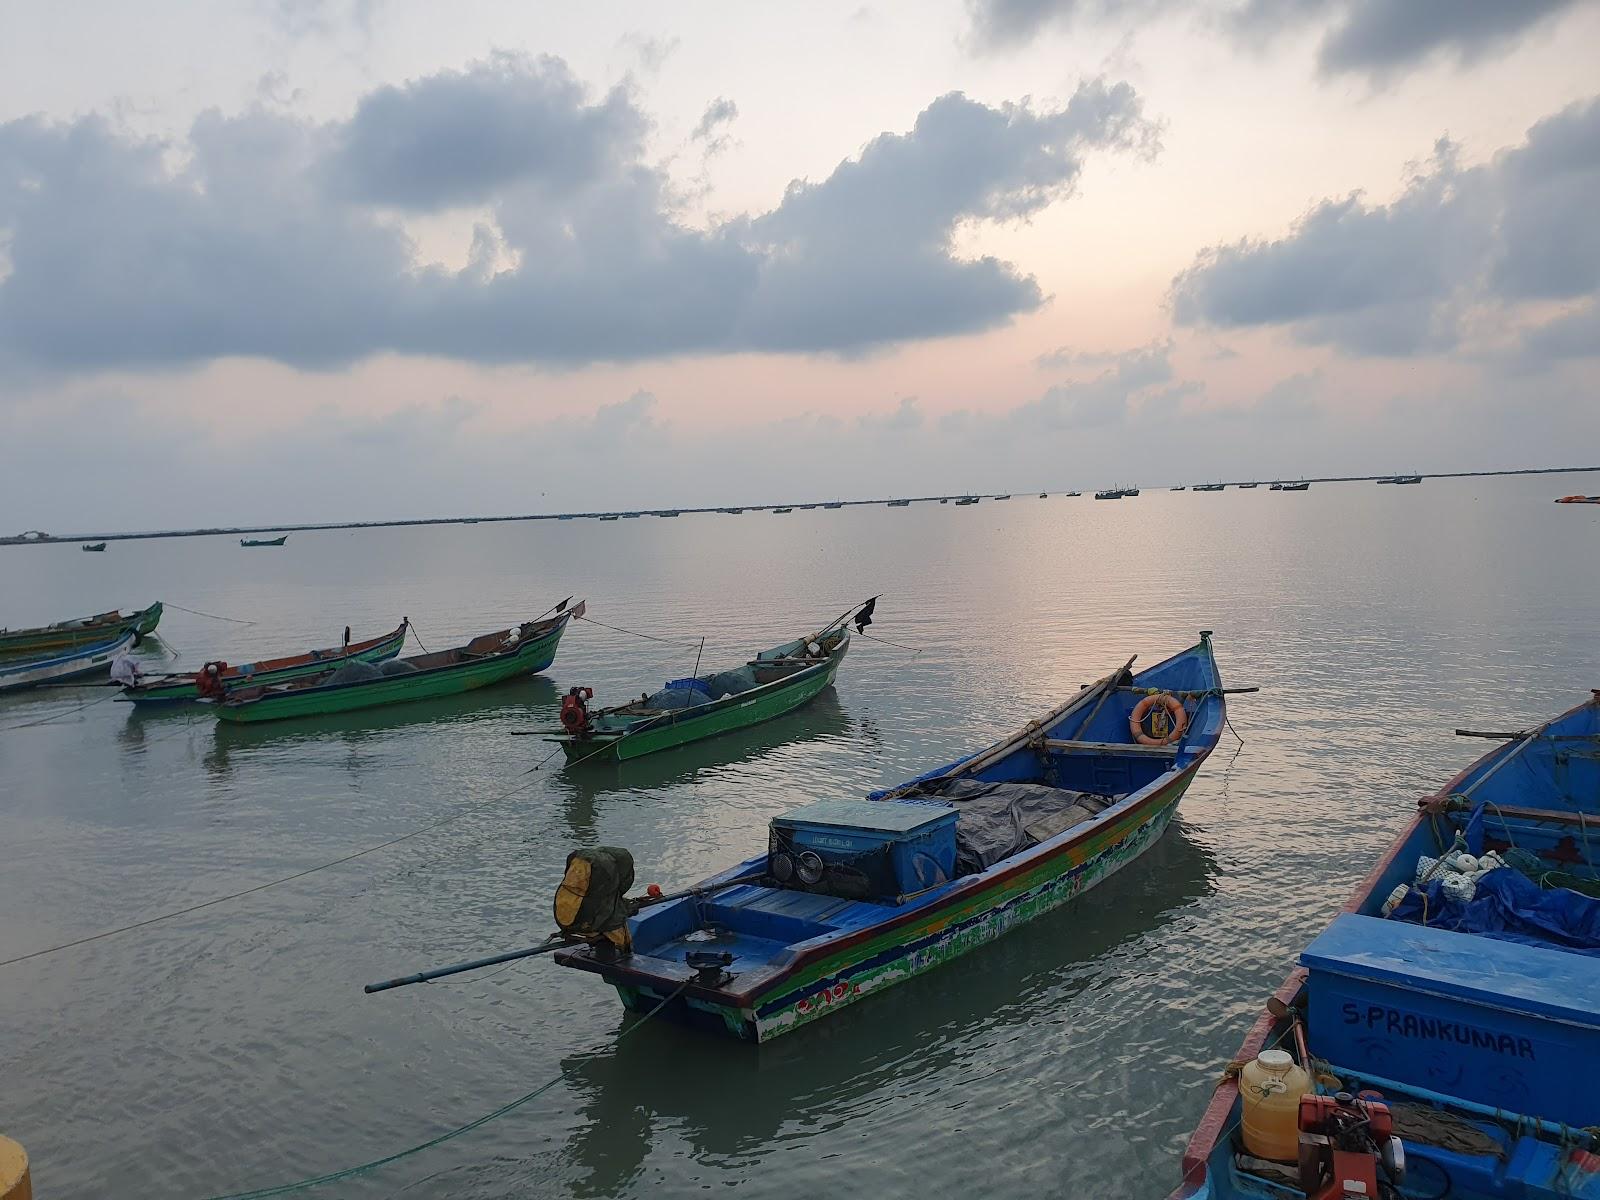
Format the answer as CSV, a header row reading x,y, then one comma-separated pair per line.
x,y
1173,716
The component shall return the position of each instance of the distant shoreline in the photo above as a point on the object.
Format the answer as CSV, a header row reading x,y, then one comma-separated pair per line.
x,y
246,530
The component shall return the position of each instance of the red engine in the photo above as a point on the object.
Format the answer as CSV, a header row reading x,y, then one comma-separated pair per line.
x,y
575,711
208,680
1348,1148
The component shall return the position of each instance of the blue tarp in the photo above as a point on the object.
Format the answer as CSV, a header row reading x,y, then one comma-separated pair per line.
x,y
1511,907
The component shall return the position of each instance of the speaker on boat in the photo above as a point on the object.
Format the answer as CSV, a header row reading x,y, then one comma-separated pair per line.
x,y
811,868
782,868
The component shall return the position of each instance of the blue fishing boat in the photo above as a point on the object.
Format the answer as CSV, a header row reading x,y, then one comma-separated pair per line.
x,y
55,665
1445,1028
850,897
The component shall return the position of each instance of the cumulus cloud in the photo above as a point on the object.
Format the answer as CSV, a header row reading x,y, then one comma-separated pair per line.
x,y
1370,37
1109,397
268,235
1403,278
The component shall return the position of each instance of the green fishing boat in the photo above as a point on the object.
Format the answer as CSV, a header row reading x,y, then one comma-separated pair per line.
x,y
491,658
75,634
216,678
774,682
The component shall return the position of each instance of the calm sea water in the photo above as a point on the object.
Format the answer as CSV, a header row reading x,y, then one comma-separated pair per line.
x,y
234,1048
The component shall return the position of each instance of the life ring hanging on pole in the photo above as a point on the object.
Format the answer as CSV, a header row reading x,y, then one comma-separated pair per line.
x,y
1168,726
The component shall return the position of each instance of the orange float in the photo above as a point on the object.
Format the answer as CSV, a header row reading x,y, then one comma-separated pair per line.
x,y
1168,727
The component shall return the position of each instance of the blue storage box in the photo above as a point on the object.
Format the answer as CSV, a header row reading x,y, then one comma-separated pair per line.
x,y
1512,1026
874,849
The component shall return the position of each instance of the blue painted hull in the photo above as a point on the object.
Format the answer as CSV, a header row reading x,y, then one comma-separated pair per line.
x,y
1477,1018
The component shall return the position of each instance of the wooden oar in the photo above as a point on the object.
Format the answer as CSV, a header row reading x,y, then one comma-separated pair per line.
x,y
1104,696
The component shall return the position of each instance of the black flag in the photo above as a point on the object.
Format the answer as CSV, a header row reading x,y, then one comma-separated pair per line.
x,y
864,617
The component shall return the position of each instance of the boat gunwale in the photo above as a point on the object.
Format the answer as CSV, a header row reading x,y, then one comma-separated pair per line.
x,y
1214,1121
171,679
19,665
968,888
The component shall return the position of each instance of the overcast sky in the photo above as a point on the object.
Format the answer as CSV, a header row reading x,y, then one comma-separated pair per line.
x,y
292,260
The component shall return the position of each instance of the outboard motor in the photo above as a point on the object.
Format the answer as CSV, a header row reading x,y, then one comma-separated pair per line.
x,y
575,712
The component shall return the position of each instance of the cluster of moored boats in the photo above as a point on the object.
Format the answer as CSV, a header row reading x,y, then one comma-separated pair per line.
x,y
1440,1039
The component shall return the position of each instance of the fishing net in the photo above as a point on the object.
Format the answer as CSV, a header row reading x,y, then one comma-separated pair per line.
x,y
592,900
396,666
353,672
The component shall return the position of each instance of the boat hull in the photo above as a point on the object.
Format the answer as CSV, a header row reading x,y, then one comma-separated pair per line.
x,y
530,658
73,664
91,631
679,729
938,935
184,691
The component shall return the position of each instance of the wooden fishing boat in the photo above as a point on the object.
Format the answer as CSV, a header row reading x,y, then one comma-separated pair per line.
x,y
610,516
277,541
488,659
1245,487
1007,496
1216,487
1109,494
1302,486
962,500
18,673
178,688
93,547
834,504
777,511
1454,1003
85,631
899,504
1579,500
1070,494
1044,495
774,682
851,897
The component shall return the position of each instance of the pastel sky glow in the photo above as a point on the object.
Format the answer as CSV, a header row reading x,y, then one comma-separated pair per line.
x,y
292,260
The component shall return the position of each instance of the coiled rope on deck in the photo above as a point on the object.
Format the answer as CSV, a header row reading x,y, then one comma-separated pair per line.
x,y
302,1185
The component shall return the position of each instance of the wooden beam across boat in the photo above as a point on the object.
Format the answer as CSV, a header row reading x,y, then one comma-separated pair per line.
x,y
1076,747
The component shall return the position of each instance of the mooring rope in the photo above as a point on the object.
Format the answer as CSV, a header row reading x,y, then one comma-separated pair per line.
x,y
58,716
198,613
261,887
635,633
302,1185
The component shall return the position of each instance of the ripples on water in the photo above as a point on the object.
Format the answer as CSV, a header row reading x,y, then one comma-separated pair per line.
x,y
234,1048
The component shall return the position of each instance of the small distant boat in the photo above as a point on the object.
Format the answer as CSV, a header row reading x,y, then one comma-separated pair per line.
x,y
1179,488
1133,491
633,514
1579,500
733,512
565,517
899,504
944,499
850,897
966,500
610,516
785,509
834,504
1302,486
671,512
19,673
1044,495
1447,1021
772,683
1277,487
1245,487
1404,479
277,541
1007,496
1213,487
93,547
491,658
1072,494
1109,494
84,631
807,507
178,688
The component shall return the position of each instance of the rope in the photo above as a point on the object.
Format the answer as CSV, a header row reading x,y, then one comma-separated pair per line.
x,y
417,636
261,887
350,1172
887,642
198,613
57,716
636,633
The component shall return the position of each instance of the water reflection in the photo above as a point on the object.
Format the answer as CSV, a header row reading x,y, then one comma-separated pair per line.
x,y
527,701
578,789
730,1099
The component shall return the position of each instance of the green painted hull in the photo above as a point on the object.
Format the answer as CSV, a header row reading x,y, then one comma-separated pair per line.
x,y
532,656
829,981
180,691
708,720
75,636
